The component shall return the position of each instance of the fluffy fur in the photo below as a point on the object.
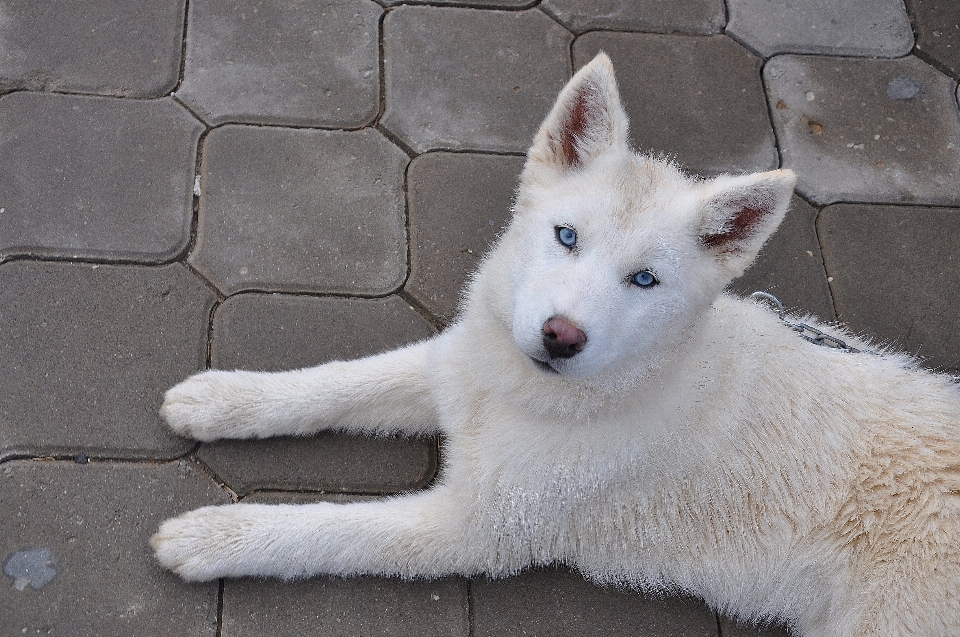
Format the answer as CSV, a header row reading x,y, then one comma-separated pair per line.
x,y
693,443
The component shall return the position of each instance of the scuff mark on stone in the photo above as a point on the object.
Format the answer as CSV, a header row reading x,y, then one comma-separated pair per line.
x,y
33,567
904,87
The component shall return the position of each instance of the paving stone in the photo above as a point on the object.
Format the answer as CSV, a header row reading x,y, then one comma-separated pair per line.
x,y
731,628
875,28
790,266
89,524
896,275
485,4
469,79
882,131
276,332
99,46
335,607
698,99
95,177
558,602
301,211
282,62
86,353
938,31
692,16
459,203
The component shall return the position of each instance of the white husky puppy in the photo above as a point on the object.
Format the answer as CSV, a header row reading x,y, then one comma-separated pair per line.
x,y
607,406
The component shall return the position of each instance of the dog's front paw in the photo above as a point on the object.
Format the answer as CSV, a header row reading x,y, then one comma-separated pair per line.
x,y
212,405
196,545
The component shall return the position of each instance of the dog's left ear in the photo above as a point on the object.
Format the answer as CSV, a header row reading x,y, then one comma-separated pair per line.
x,y
738,215
586,120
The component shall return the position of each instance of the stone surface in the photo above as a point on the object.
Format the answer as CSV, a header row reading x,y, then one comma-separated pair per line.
x,y
663,16
790,266
93,522
346,607
697,99
301,63
937,23
485,4
559,603
488,91
459,203
301,210
86,353
95,177
882,131
896,275
874,28
98,46
276,332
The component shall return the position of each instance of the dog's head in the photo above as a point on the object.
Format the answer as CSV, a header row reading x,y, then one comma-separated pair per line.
x,y
614,255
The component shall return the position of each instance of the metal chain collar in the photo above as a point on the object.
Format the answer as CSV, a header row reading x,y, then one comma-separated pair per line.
x,y
805,331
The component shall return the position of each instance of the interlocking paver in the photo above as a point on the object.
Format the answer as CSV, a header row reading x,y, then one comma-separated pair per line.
x,y
895,273
875,28
87,351
690,16
87,527
98,46
938,31
790,266
276,332
459,203
881,131
470,79
95,177
301,211
303,63
346,607
559,603
698,99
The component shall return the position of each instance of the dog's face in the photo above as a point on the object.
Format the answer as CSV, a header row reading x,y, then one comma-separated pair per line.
x,y
616,255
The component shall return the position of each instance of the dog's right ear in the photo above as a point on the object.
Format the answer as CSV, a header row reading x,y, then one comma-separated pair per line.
x,y
586,120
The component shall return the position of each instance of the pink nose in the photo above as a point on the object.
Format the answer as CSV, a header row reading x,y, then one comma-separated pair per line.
x,y
563,339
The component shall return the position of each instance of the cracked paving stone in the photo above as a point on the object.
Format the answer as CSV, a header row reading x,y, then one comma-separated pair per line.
x,y
790,266
459,204
883,257
129,49
279,332
89,524
95,177
873,28
291,210
696,99
561,603
469,79
296,63
880,131
690,16
86,353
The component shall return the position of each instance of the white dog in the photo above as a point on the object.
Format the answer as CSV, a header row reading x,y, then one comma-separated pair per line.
x,y
605,405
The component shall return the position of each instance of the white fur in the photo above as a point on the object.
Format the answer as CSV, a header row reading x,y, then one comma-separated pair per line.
x,y
696,444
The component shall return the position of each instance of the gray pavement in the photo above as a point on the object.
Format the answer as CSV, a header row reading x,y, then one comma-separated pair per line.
x,y
271,185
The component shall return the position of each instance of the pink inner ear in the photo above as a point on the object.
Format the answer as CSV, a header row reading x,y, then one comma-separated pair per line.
x,y
738,229
574,126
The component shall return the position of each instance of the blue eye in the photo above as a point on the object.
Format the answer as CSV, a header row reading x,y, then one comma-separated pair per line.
x,y
566,236
644,279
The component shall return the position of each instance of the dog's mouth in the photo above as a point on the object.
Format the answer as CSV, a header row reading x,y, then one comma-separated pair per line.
x,y
543,366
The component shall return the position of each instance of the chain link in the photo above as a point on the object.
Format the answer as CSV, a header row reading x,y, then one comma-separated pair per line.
x,y
806,332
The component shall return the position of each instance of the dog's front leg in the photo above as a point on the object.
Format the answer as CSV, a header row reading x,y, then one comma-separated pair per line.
x,y
380,394
410,536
